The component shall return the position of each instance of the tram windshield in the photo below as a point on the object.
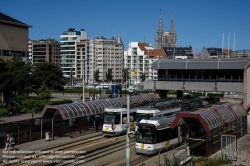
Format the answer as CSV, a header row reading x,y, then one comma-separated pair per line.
x,y
111,118
145,134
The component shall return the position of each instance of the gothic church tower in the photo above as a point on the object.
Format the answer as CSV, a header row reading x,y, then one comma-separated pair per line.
x,y
172,35
159,37
165,39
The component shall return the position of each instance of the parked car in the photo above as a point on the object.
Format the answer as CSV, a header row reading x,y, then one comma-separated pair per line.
x,y
190,96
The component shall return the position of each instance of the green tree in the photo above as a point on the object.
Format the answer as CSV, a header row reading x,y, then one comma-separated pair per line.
x,y
109,75
4,77
125,77
44,93
92,91
3,109
33,106
36,104
143,77
49,75
19,74
96,75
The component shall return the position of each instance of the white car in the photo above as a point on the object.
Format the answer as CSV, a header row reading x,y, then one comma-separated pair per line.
x,y
103,86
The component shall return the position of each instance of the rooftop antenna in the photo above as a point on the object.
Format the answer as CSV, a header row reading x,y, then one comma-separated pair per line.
x,y
144,39
222,42
234,41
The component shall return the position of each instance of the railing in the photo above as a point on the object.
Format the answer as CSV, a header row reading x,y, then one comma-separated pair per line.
x,y
136,161
160,158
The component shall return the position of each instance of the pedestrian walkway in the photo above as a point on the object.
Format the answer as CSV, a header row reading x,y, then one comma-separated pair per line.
x,y
42,144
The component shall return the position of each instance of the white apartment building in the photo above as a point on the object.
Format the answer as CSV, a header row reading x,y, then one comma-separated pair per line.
x,y
47,50
108,53
82,56
140,57
75,56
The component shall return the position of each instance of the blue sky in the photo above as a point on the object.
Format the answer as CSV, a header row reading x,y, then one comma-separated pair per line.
x,y
198,23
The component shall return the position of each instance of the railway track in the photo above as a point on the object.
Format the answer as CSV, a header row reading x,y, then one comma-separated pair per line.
x,y
90,151
107,155
50,153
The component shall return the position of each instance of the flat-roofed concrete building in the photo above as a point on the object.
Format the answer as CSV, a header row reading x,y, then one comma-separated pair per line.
x,y
13,37
44,51
206,75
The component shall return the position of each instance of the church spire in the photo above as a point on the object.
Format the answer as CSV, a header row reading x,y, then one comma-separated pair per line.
x,y
160,31
172,23
160,27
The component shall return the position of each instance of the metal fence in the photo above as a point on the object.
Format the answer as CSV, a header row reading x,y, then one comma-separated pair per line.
x,y
162,158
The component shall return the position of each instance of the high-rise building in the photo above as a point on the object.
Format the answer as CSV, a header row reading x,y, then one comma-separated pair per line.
x,y
82,57
44,51
13,37
73,49
108,54
139,57
165,39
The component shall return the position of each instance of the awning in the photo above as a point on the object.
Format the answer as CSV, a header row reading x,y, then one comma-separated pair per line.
x,y
214,116
79,109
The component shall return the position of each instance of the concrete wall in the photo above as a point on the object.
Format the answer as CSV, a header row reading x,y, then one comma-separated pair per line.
x,y
13,37
195,86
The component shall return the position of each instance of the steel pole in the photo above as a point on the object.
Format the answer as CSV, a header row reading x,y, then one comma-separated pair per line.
x,y
128,131
83,100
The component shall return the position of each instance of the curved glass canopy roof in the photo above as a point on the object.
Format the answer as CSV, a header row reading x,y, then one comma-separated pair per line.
x,y
80,109
214,116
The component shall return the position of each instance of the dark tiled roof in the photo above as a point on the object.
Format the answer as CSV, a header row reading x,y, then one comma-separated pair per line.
x,y
7,19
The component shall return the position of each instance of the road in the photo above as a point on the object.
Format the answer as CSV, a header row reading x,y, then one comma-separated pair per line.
x,y
66,96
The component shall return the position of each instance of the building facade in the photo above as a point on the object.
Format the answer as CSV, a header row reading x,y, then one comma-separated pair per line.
x,y
13,37
140,57
240,54
165,39
73,50
179,52
44,51
213,52
206,75
108,54
81,57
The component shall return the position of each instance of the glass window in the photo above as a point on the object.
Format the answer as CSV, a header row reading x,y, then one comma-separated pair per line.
x,y
145,134
109,118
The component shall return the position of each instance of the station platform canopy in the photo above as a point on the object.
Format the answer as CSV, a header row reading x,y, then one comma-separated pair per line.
x,y
213,117
79,109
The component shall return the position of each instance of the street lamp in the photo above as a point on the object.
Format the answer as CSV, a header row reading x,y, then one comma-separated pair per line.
x,y
159,60
83,83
